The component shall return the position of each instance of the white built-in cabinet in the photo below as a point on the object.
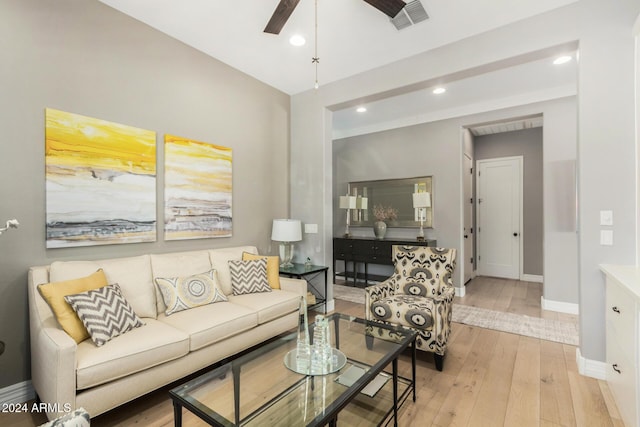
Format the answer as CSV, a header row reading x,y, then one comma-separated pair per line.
x,y
623,336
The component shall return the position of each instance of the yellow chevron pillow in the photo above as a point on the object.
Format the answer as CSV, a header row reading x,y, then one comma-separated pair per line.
x,y
273,267
54,293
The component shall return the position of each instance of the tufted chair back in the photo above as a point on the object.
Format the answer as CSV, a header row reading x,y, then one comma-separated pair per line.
x,y
422,270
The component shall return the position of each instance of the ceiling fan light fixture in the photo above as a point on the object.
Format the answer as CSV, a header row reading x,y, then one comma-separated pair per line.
x,y
297,40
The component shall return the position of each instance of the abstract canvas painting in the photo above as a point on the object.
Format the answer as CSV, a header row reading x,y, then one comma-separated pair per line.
x,y
197,189
100,181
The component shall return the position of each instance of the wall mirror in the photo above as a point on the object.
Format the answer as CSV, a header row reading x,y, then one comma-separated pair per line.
x,y
394,193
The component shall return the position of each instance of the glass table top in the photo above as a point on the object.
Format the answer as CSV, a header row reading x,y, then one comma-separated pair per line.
x,y
257,389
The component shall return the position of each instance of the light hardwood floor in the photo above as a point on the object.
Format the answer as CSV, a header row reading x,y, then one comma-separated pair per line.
x,y
490,378
511,296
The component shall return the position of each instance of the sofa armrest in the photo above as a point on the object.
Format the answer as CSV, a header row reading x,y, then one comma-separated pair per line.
x,y
53,368
376,292
53,352
297,286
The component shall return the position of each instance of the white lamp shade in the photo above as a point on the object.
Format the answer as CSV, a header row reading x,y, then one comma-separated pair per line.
x,y
286,230
362,202
347,202
421,200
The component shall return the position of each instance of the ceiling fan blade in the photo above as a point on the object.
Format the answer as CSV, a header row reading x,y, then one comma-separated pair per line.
x,y
389,7
280,16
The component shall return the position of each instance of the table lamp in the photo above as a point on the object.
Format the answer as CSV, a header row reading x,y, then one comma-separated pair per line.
x,y
347,202
362,203
286,231
421,201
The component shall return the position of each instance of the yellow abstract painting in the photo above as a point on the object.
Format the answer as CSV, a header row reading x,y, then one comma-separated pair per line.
x,y
198,194
100,181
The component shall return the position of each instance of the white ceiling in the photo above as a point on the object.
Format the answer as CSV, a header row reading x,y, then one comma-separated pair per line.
x,y
352,35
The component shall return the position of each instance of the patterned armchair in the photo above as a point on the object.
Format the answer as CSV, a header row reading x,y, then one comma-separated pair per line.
x,y
419,295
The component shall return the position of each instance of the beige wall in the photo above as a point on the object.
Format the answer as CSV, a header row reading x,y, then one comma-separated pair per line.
x,y
84,57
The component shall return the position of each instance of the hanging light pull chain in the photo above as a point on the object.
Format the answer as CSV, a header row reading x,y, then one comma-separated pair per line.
x,y
316,59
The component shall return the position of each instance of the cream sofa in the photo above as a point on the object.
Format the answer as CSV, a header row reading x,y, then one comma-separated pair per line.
x,y
166,348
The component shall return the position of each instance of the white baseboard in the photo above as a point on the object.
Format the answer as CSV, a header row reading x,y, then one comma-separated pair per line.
x,y
559,306
331,305
591,368
17,393
460,292
532,278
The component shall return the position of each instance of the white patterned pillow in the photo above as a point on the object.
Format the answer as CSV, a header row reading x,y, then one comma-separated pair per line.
x,y
182,293
104,312
248,277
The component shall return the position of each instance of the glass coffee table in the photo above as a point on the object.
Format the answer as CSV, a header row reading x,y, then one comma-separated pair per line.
x,y
257,389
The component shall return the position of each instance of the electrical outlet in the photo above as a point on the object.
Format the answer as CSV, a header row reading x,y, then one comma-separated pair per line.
x,y
606,237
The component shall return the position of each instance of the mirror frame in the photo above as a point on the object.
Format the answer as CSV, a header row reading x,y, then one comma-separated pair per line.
x,y
395,190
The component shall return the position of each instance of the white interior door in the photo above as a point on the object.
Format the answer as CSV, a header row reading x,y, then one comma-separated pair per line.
x,y
468,218
499,210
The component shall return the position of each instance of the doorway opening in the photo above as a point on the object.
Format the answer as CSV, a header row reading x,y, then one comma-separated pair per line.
x,y
508,196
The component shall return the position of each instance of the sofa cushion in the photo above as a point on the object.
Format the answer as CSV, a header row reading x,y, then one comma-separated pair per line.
x,y
104,312
54,293
220,261
248,277
144,347
132,274
183,293
211,323
269,305
178,264
273,267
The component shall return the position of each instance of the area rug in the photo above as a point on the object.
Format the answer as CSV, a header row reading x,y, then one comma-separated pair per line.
x,y
550,330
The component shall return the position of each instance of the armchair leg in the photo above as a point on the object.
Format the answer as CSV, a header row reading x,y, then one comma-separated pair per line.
x,y
369,341
439,359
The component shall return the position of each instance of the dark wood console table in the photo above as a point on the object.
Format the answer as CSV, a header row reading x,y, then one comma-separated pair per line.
x,y
367,250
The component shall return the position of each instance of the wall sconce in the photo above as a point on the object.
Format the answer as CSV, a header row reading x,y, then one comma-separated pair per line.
x,y
12,223
286,231
421,201
348,202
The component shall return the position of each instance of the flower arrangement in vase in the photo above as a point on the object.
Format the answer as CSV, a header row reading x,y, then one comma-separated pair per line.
x,y
382,214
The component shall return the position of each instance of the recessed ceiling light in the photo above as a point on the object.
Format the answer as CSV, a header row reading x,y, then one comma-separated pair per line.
x,y
297,40
439,90
361,109
561,60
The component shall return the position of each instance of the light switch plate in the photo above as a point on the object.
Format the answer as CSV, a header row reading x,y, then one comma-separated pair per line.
x,y
311,228
606,237
606,217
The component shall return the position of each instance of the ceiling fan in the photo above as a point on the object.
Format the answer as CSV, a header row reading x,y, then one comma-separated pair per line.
x,y
285,8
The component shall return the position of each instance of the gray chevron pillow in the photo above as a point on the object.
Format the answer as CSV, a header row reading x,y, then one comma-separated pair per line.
x,y
249,277
104,312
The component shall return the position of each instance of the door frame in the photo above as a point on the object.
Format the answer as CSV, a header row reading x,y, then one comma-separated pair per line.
x,y
468,202
520,183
